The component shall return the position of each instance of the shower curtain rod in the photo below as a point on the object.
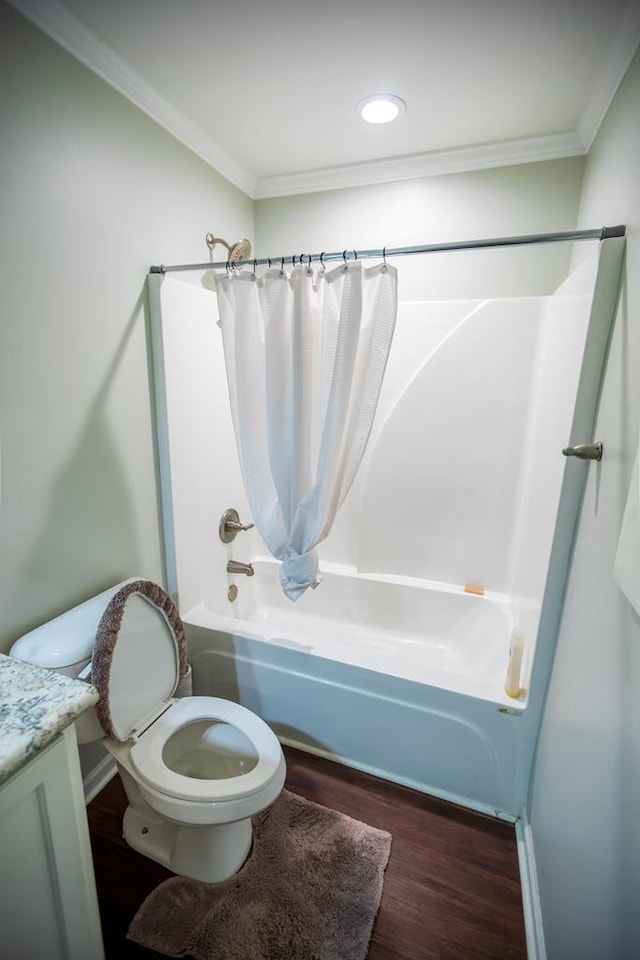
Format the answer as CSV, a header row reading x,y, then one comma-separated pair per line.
x,y
602,233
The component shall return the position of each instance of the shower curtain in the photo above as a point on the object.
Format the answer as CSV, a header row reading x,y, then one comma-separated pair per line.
x,y
305,356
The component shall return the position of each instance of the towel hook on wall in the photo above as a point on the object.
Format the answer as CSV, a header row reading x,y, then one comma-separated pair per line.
x,y
584,451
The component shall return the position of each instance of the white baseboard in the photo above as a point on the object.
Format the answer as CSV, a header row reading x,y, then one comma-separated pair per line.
x,y
530,892
98,778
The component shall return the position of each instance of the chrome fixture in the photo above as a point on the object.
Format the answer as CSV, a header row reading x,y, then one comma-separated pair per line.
x,y
235,566
230,525
242,249
239,250
584,451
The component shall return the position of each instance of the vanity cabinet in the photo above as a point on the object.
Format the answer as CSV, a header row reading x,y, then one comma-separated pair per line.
x,y
48,902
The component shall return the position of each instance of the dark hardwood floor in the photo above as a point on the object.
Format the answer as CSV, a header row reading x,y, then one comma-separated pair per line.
x,y
451,890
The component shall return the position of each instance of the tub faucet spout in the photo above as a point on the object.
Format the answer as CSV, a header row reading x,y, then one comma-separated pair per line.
x,y
235,566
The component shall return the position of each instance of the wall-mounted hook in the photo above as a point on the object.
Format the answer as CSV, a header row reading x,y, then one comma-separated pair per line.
x,y
584,451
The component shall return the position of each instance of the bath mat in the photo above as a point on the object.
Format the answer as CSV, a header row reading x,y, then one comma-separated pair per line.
x,y
309,890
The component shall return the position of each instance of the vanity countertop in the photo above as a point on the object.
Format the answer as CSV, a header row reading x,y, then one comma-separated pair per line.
x,y
35,706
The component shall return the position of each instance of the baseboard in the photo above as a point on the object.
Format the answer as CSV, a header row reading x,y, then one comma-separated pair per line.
x,y
98,777
530,891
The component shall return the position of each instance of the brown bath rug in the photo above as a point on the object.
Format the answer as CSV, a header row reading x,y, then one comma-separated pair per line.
x,y
309,890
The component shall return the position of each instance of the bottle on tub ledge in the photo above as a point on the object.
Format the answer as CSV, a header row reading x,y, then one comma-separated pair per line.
x,y
516,647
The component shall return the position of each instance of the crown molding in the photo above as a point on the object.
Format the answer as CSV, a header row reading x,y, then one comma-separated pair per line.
x,y
437,163
67,30
622,51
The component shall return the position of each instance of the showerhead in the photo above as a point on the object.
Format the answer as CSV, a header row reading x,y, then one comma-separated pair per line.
x,y
240,250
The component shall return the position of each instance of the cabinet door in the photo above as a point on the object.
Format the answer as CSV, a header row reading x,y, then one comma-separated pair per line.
x,y
48,903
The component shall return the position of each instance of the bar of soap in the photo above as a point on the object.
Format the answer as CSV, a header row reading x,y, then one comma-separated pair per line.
x,y
474,588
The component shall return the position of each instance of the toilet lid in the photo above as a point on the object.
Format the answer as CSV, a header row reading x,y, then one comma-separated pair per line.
x,y
139,657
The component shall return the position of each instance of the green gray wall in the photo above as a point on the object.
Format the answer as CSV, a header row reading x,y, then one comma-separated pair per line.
x,y
507,201
92,193
586,786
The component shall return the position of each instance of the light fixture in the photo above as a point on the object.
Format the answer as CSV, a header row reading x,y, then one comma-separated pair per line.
x,y
381,108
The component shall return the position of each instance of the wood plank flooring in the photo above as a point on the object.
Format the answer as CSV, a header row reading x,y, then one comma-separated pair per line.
x,y
451,891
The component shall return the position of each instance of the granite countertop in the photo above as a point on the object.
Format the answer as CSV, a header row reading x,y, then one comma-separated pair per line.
x,y
35,706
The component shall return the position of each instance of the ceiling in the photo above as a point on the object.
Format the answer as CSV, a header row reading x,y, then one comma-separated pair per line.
x,y
266,91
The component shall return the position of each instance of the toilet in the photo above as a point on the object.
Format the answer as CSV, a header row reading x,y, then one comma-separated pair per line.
x,y
195,769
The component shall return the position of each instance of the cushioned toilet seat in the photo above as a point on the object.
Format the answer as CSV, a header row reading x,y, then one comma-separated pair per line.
x,y
147,753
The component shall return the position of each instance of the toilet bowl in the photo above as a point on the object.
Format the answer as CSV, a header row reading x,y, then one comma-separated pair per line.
x,y
195,769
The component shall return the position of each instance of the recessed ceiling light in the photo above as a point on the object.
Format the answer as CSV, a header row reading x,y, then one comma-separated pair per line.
x,y
381,108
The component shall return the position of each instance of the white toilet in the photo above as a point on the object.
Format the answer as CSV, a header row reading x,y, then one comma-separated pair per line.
x,y
195,769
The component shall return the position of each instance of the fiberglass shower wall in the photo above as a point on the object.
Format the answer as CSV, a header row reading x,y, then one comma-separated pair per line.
x,y
462,477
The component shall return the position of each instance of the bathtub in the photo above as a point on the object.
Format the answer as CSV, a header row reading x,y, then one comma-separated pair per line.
x,y
462,479
399,677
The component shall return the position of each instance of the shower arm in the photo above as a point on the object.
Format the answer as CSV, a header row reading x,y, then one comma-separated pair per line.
x,y
211,241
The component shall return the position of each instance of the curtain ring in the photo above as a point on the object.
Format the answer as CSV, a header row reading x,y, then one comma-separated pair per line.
x,y
355,254
227,267
282,266
384,258
322,263
269,262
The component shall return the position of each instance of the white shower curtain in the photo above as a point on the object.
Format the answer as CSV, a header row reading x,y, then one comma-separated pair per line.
x,y
305,355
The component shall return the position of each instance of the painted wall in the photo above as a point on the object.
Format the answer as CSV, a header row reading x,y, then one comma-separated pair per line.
x,y
92,193
586,787
530,198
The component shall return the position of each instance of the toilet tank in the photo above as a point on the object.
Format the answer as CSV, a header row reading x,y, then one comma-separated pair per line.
x,y
65,645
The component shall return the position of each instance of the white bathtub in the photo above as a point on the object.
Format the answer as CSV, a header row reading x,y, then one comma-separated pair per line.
x,y
429,633
462,479
396,676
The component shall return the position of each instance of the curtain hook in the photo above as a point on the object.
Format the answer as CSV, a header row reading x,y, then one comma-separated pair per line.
x,y
227,267
269,262
355,254
282,266
322,263
384,258
344,260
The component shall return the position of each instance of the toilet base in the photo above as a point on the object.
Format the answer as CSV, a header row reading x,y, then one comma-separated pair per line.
x,y
209,853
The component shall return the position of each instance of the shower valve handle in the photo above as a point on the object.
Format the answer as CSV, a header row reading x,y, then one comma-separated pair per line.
x,y
230,525
236,525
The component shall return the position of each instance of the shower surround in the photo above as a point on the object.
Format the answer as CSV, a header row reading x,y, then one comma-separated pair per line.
x,y
392,664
